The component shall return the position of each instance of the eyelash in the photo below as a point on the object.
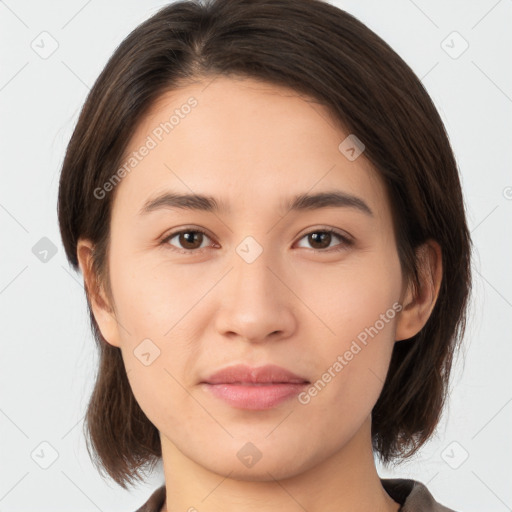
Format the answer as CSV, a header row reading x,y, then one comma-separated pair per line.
x,y
346,242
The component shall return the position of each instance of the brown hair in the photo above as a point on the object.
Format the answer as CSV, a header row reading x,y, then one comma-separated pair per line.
x,y
327,54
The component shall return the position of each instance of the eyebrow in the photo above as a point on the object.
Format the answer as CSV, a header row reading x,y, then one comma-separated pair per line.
x,y
328,199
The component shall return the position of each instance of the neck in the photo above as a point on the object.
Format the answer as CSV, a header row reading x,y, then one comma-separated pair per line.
x,y
346,481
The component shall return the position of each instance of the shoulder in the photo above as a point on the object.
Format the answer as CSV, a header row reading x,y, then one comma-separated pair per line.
x,y
155,501
413,495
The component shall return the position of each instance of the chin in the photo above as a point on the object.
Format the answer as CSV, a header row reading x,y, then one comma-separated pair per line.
x,y
267,465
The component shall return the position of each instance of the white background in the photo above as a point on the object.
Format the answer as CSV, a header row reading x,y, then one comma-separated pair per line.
x,y
48,359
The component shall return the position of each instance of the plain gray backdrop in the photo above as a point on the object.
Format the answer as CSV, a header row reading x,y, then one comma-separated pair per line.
x,y
51,54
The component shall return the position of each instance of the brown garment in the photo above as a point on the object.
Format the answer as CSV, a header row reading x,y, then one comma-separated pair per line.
x,y
413,496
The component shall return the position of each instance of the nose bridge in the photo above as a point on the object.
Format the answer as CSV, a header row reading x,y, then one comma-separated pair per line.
x,y
252,272
256,303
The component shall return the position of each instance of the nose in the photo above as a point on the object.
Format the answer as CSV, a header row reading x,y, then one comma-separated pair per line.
x,y
257,302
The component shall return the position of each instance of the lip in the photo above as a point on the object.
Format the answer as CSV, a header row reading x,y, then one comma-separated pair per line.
x,y
254,396
243,374
258,388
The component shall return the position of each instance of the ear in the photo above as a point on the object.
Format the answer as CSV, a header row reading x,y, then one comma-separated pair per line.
x,y
102,309
418,306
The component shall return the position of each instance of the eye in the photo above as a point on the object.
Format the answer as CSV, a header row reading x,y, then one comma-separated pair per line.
x,y
188,238
321,239
191,240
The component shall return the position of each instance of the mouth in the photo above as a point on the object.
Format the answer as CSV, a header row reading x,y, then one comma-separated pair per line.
x,y
259,388
255,395
254,383
243,374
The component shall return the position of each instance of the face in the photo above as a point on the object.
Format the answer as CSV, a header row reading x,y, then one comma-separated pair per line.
x,y
255,281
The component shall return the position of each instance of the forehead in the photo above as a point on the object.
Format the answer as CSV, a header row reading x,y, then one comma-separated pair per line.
x,y
242,140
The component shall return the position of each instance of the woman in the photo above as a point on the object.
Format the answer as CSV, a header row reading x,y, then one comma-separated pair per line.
x,y
268,216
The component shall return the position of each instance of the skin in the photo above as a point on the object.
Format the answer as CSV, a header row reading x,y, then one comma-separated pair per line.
x,y
253,145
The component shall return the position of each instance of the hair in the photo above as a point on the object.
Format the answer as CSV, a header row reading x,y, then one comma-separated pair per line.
x,y
321,51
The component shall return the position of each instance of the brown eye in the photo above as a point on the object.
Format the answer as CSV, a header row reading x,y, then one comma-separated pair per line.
x,y
320,240
188,240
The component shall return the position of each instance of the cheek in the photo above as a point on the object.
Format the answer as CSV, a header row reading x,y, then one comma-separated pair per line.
x,y
350,295
157,307
358,307
158,385
153,299
352,368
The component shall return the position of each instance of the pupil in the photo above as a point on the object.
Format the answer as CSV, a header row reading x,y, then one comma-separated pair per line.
x,y
189,238
316,236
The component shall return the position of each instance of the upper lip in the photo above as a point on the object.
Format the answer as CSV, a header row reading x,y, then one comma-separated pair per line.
x,y
239,374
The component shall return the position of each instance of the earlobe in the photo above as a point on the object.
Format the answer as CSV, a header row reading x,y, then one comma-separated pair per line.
x,y
418,304
98,300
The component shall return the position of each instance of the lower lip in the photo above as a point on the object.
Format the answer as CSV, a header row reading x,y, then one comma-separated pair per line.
x,y
255,396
